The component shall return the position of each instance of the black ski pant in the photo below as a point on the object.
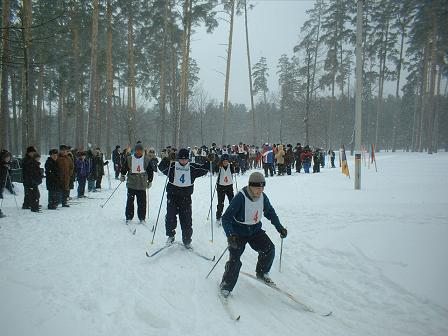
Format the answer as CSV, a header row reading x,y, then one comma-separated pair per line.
x,y
179,205
141,204
332,163
223,191
288,169
266,253
266,167
53,199
34,196
26,197
98,182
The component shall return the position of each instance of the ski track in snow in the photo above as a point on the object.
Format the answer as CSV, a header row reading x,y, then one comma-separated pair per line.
x,y
374,257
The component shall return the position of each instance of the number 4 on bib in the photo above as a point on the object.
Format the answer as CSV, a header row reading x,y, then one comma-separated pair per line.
x,y
182,178
226,179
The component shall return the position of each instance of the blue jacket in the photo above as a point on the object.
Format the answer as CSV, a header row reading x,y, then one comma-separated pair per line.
x,y
235,212
82,168
269,156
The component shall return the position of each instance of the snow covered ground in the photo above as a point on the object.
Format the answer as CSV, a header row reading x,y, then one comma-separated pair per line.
x,y
377,258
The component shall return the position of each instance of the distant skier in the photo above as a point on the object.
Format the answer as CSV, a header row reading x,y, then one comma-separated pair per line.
x,y
117,158
224,185
242,225
140,173
182,175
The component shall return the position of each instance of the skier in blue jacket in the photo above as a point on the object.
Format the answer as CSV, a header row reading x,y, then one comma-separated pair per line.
x,y
242,225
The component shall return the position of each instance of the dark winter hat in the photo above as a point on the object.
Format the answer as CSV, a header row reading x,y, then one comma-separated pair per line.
x,y
257,179
138,146
183,154
63,147
31,149
53,151
225,157
117,146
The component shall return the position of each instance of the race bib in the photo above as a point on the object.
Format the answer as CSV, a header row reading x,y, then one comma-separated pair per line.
x,y
225,177
182,175
138,165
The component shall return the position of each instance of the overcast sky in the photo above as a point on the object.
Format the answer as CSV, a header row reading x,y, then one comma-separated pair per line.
x,y
273,30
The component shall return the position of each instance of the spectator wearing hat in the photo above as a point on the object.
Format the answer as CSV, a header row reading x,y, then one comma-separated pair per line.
x,y
35,179
242,225
52,179
181,176
26,174
82,168
66,169
116,160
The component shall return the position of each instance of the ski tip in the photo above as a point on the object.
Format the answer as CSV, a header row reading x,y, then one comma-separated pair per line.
x,y
213,259
329,314
147,254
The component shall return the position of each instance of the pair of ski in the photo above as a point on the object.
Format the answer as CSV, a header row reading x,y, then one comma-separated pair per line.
x,y
236,317
190,249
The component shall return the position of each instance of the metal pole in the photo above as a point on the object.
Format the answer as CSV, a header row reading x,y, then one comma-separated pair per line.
x,y
211,196
281,253
358,98
216,264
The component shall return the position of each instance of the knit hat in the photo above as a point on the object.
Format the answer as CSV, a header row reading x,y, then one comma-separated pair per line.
x,y
63,147
183,154
138,146
257,179
53,151
225,157
30,149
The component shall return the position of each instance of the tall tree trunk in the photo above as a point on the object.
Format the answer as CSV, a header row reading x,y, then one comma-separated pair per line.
x,y
184,71
131,86
109,78
424,97
79,111
397,88
39,107
15,128
162,102
61,112
251,89
91,120
379,105
226,86
432,85
308,98
27,111
4,113
437,111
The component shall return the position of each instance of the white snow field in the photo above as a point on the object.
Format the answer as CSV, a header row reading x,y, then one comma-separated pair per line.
x,y
377,258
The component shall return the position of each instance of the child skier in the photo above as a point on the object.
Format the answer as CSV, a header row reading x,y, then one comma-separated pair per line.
x,y
35,179
224,185
82,167
242,225
181,176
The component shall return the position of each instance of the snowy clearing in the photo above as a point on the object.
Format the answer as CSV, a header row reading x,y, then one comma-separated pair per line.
x,y
377,258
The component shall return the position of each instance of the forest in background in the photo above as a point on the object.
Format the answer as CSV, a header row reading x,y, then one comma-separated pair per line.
x,y
110,72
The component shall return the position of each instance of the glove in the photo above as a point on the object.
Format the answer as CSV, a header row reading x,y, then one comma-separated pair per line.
x,y
283,232
122,178
148,184
233,242
106,163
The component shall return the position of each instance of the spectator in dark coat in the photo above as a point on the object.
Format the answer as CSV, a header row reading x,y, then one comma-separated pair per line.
x,y
35,179
305,159
117,160
82,167
289,159
26,176
52,179
66,168
298,157
5,159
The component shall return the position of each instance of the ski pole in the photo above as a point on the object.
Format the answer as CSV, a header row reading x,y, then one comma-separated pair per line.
x,y
102,205
147,199
211,204
216,264
108,176
281,253
154,228
236,183
211,197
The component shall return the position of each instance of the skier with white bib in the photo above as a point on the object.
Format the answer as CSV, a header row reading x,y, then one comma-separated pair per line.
x,y
181,176
140,174
242,225
224,185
